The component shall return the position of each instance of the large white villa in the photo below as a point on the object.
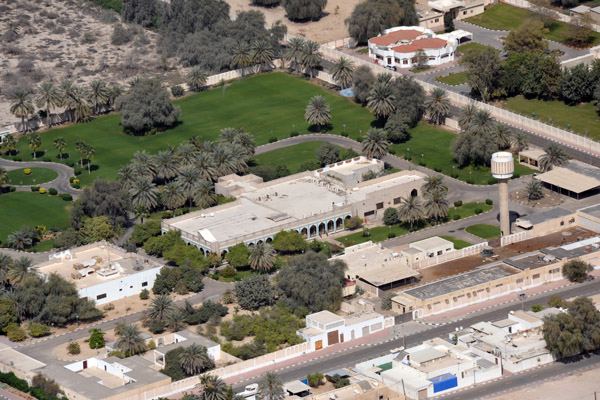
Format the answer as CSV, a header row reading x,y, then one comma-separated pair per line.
x,y
398,46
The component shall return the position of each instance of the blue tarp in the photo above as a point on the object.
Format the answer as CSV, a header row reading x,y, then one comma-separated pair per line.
x,y
347,92
444,382
305,381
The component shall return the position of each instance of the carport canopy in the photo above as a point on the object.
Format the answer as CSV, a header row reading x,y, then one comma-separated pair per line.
x,y
575,177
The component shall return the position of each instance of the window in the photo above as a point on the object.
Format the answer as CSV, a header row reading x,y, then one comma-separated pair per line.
x,y
572,220
464,13
405,61
369,213
555,270
439,253
101,296
437,20
520,280
130,287
562,223
144,284
379,206
499,285
397,200
536,276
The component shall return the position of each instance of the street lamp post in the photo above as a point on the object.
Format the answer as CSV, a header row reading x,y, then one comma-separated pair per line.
x,y
407,152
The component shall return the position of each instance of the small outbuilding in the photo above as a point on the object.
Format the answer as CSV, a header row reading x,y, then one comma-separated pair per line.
x,y
297,388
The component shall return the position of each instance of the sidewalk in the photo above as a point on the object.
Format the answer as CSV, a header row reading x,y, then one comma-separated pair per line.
x,y
5,394
461,313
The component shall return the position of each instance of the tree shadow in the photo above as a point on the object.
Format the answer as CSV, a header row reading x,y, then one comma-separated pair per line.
x,y
378,123
323,129
38,154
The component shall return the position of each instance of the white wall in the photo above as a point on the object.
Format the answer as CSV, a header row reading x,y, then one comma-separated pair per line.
x,y
118,288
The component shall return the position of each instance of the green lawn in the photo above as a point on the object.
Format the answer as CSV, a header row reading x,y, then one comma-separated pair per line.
x,y
457,78
268,105
472,46
363,51
504,17
458,243
37,176
582,118
292,156
468,209
435,145
484,231
19,209
377,234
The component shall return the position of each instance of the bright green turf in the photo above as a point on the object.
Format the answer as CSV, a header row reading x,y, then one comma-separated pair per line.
x,y
457,78
473,46
484,231
436,146
468,209
19,209
266,105
291,156
458,243
46,245
505,17
377,234
41,175
582,118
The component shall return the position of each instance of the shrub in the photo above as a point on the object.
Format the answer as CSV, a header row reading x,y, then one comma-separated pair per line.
x,y
458,203
294,134
77,171
66,197
456,217
53,192
177,91
120,35
17,159
422,163
37,329
75,181
272,140
151,345
436,169
156,327
96,340
391,235
390,216
345,134
144,294
73,348
42,190
478,211
228,297
27,171
516,175
70,164
15,333
576,270
489,202
11,380
386,301
71,179
47,159
314,380
35,188
353,223
537,308
470,181
555,301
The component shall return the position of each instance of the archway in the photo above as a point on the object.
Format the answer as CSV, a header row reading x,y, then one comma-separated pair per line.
x,y
414,193
259,242
250,245
322,229
304,233
339,224
313,231
269,240
330,226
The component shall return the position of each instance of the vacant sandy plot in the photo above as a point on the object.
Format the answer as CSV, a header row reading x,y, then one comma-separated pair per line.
x,y
330,27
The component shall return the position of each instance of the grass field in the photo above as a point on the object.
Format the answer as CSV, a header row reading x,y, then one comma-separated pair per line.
x,y
37,176
484,231
377,234
269,105
435,145
19,209
582,118
472,46
504,17
457,78
292,156
468,209
458,243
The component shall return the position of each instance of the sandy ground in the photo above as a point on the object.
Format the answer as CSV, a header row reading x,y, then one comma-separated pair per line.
x,y
50,34
330,27
580,386
550,199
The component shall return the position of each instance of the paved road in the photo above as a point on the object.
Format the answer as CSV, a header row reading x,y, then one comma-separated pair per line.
x,y
61,183
353,356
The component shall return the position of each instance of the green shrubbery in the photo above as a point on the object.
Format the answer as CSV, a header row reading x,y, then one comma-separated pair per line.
x,y
73,348
37,329
144,294
15,333
143,232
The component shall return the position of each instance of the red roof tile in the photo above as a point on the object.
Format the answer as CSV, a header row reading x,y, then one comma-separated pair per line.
x,y
395,37
421,44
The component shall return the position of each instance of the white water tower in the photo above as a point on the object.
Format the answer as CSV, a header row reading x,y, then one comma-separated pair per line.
x,y
503,167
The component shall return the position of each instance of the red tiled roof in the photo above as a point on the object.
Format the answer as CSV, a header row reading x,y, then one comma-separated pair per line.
x,y
421,44
395,37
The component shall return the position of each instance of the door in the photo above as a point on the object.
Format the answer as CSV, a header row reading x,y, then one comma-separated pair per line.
x,y
84,364
318,345
423,394
333,338
341,338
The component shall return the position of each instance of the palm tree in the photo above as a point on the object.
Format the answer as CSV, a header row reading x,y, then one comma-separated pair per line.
x,y
19,240
226,162
35,141
80,146
166,164
342,71
135,81
310,58
534,190
160,308
503,137
81,110
205,165
19,270
270,387
438,107
520,142
186,153
410,210
242,56
467,114
127,175
5,264
99,93
436,204
375,143
113,92
294,51
65,93
196,78
194,359
246,141
90,152
21,106
130,340
262,53
176,319
434,183
48,97
143,163
262,257
171,196
381,99
9,144
204,194
3,178
213,388
60,144
228,135
144,193
482,123
187,179
317,112
555,157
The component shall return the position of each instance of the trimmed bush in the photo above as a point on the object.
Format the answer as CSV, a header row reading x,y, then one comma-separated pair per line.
x,y
144,294
489,202
422,163
516,175
294,134
71,179
47,159
37,329
35,188
470,181
391,235
42,190
77,172
27,171
70,163
52,192
492,181
12,189
177,91
75,181
73,348
478,211
272,140
456,217
66,197
15,333
458,203
345,134
436,169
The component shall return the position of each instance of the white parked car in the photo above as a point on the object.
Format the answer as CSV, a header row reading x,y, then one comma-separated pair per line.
x,y
250,391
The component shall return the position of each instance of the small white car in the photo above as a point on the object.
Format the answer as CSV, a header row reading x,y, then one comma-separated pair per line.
x,y
249,391
397,350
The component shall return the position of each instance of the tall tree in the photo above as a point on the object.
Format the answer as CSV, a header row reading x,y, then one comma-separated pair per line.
x,y
528,38
304,10
466,116
90,152
438,107
212,388
35,141
205,166
270,387
483,72
362,81
410,210
3,181
262,53
520,142
375,144
262,257
9,143
99,93
204,194
381,99
294,51
47,96
317,112
130,340
310,56
343,71
187,179
171,196
19,270
555,157
434,183
166,164
242,56
194,359
160,308
144,193
21,106
60,144
436,205
196,78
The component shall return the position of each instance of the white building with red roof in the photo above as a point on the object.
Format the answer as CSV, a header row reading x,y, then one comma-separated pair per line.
x,y
398,46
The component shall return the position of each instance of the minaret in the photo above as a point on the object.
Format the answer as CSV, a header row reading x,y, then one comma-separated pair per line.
x,y
503,167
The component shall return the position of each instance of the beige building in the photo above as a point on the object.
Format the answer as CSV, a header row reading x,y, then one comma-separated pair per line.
x,y
547,222
531,157
313,203
574,179
432,16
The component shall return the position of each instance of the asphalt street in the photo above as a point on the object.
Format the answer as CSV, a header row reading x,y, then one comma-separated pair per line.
x,y
61,183
351,357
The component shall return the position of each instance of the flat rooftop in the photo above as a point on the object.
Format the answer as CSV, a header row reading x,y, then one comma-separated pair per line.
x,y
545,216
191,338
325,317
432,243
348,167
594,211
576,177
460,282
531,261
574,250
94,264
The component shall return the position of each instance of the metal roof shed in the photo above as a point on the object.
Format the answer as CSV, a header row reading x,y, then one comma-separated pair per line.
x,y
297,388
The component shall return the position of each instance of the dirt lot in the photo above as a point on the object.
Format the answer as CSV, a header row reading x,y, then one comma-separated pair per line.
x,y
330,27
550,199
63,39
